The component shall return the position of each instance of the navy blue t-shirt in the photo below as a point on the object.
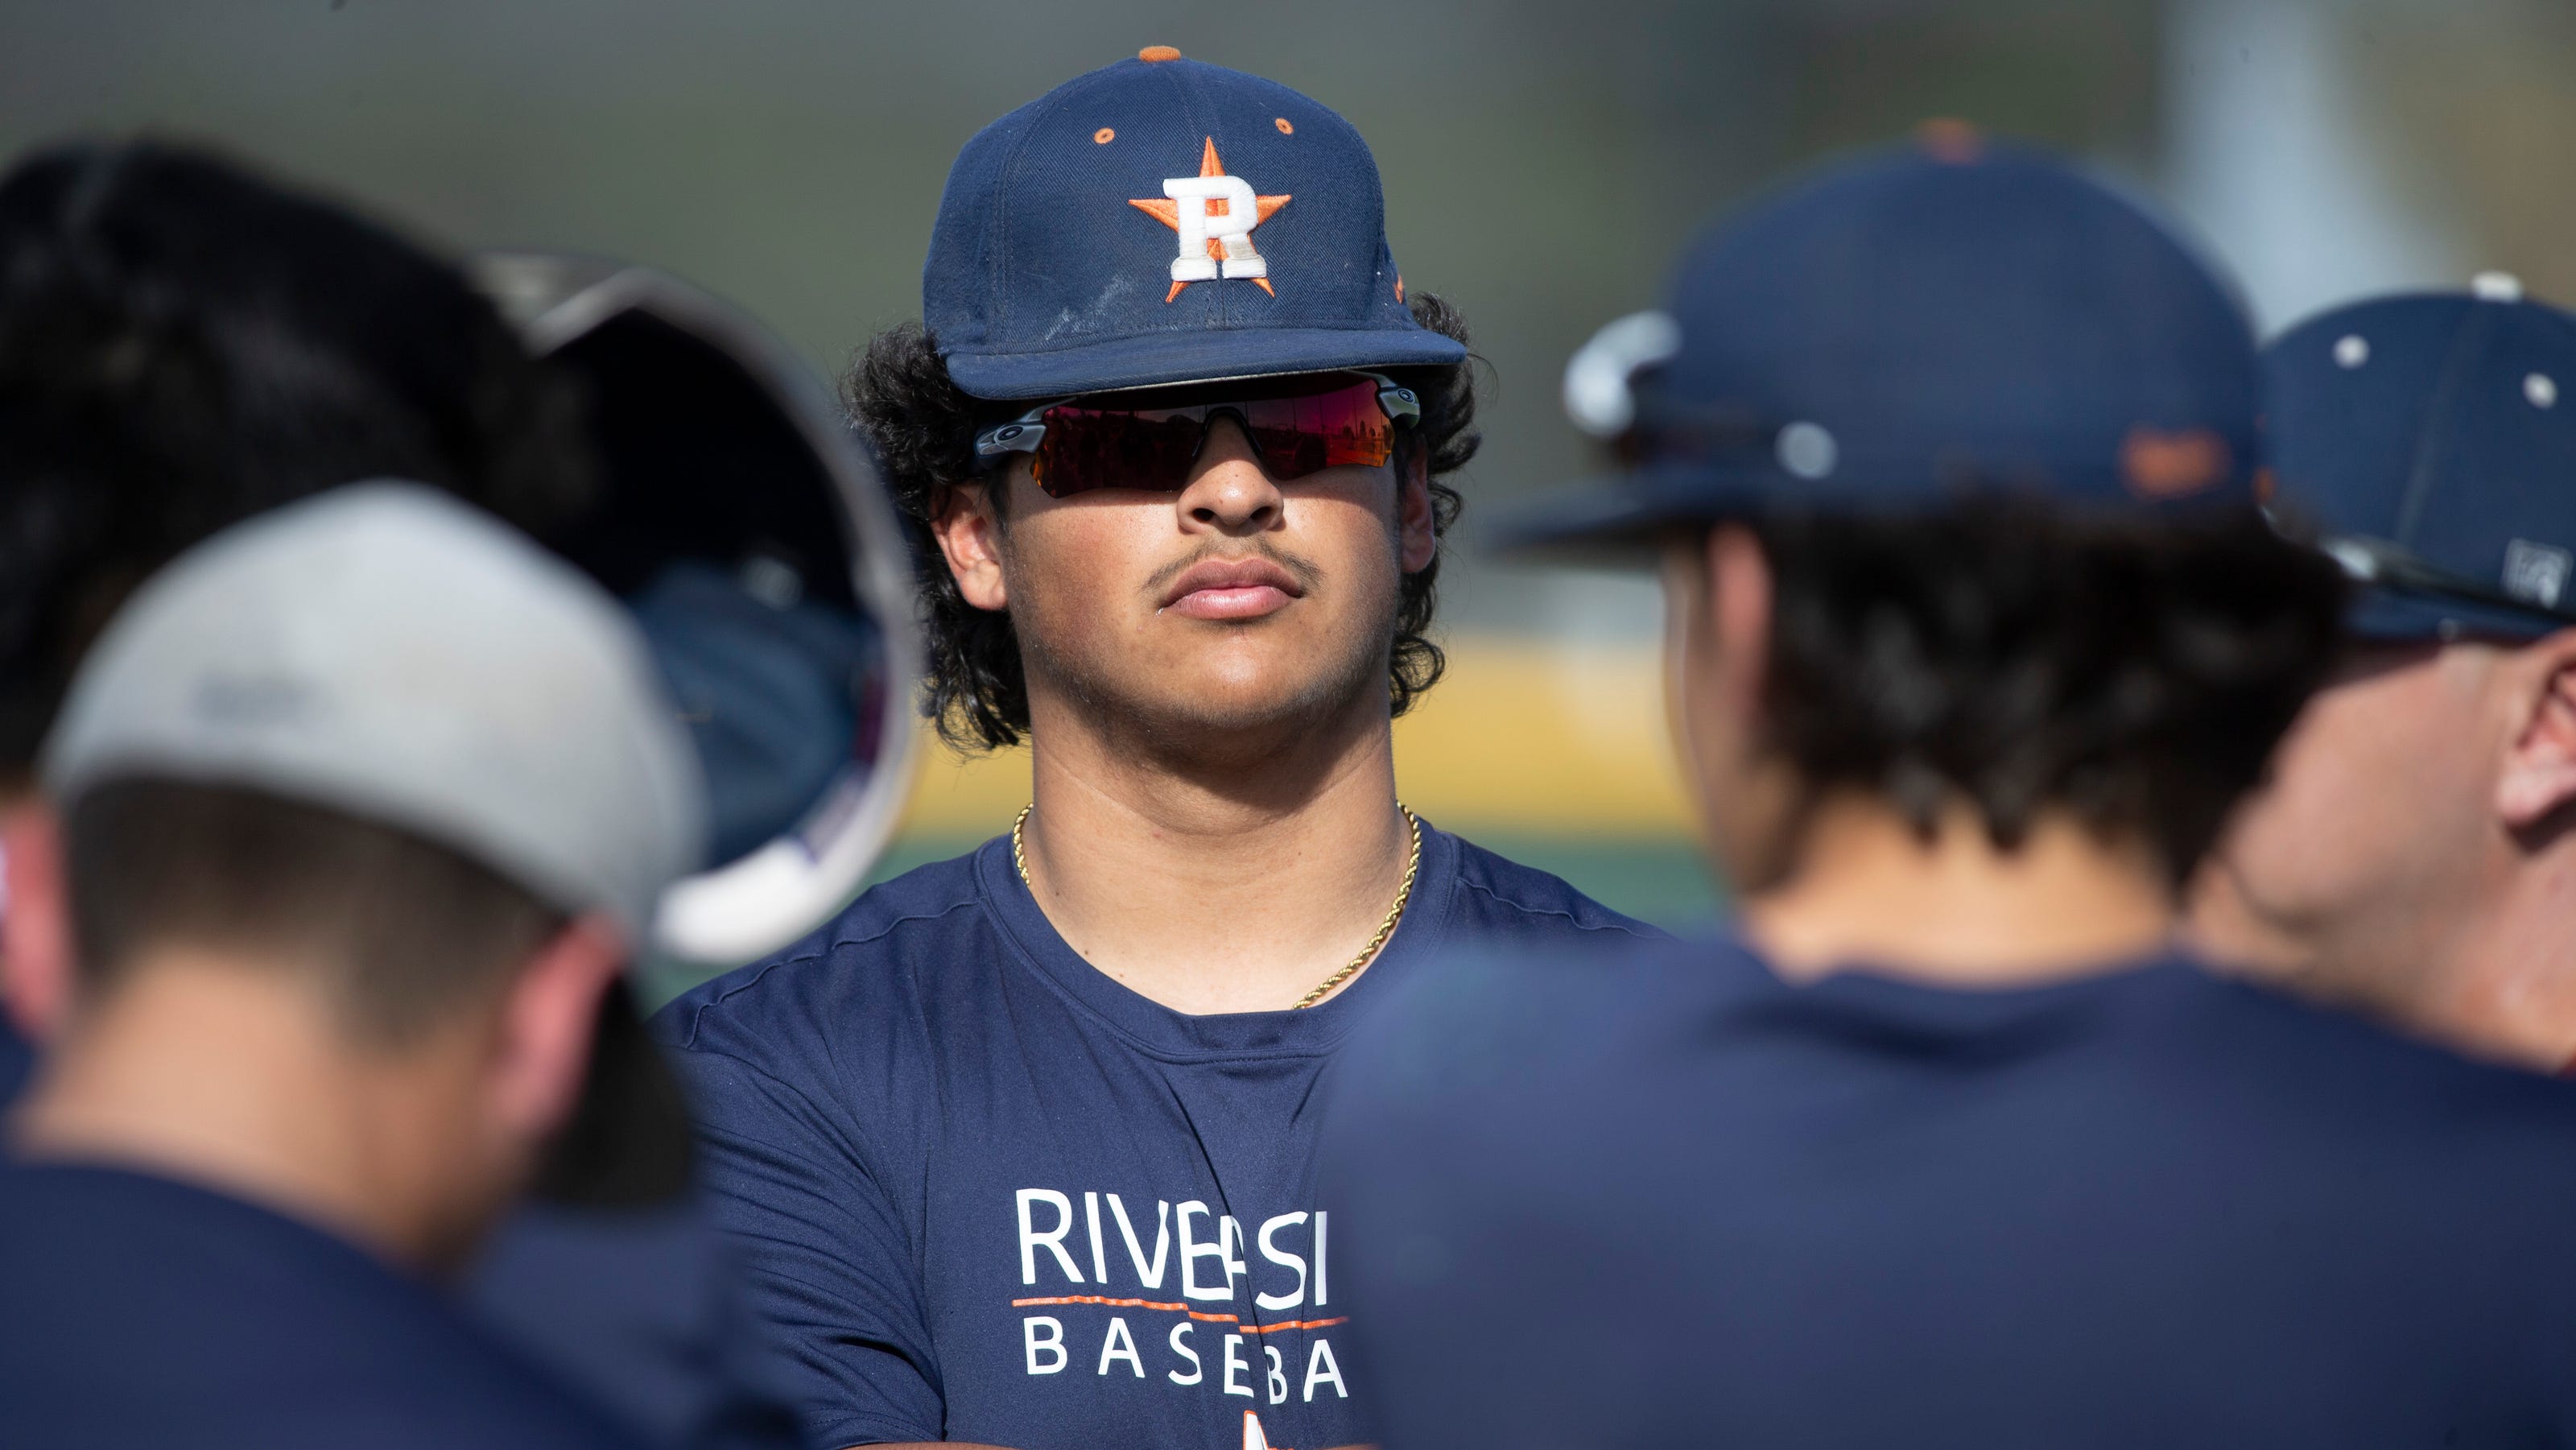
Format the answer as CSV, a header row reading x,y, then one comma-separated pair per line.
x,y
643,1311
990,1194
17,1062
141,1313
639,1310
1674,1200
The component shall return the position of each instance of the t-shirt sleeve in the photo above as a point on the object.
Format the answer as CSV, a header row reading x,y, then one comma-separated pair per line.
x,y
826,1257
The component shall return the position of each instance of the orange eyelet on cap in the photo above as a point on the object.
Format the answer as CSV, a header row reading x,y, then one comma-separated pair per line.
x,y
1103,136
1284,128
1949,139
1158,53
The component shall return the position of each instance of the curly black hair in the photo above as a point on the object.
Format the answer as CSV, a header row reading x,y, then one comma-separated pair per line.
x,y
923,428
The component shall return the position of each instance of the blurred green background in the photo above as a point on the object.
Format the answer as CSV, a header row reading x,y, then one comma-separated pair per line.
x,y
1543,163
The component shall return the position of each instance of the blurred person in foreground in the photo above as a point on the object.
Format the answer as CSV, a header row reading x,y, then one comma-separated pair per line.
x,y
1019,1148
361,807
2413,854
185,344
1977,636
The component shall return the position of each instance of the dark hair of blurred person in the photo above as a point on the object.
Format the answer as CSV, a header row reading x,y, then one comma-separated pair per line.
x,y
2007,666
183,344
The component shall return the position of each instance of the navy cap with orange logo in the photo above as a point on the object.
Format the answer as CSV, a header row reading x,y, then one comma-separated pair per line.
x,y
1950,316
2423,438
1164,221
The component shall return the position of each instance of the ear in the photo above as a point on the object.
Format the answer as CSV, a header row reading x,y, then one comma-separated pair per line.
x,y
547,1022
1739,605
1417,540
36,972
970,536
1718,657
2539,777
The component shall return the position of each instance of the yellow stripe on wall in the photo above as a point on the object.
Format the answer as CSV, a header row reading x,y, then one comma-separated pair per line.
x,y
1538,736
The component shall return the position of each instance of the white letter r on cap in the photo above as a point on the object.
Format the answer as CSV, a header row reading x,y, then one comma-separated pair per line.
x,y
1232,229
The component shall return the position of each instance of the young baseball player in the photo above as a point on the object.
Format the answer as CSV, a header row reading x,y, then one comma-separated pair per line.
x,y
2412,854
185,344
1977,636
1019,1148
362,806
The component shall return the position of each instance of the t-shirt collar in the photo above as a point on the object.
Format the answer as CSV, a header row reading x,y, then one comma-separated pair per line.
x,y
1862,991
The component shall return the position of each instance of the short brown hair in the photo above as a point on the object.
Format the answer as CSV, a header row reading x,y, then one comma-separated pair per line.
x,y
402,932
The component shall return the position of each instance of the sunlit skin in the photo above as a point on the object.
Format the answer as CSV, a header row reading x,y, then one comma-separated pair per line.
x,y
1847,880
1213,767
2411,854
240,1073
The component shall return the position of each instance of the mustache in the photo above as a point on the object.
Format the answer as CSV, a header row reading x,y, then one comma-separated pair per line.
x,y
1303,570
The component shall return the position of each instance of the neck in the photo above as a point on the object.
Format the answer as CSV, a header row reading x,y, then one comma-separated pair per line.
x,y
2496,977
2511,980
1869,890
1230,879
230,1075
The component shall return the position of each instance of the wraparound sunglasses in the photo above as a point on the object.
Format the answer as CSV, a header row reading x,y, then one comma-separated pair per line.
x,y
1151,439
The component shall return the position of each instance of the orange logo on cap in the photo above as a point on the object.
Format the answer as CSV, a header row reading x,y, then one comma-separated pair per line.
x,y
1949,139
2168,465
1214,214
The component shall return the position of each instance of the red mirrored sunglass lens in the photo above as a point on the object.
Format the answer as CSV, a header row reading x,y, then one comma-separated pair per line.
x,y
1087,448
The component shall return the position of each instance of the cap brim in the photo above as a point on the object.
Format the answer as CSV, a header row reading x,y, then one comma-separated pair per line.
x,y
1165,358
629,1144
2380,614
1621,520
1618,521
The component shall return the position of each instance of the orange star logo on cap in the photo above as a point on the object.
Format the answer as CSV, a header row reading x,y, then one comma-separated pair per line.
x,y
1214,214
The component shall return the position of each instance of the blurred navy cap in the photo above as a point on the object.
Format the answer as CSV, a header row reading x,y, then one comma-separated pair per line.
x,y
1949,315
1164,221
2423,439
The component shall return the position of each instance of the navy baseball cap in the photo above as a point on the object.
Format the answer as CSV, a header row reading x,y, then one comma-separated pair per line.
x,y
2423,438
1164,221
1944,317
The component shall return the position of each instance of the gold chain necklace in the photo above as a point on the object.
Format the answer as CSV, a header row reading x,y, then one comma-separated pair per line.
x,y
1385,929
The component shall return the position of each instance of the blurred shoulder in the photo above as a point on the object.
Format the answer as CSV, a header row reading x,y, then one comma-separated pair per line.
x,y
2321,1060
1519,1016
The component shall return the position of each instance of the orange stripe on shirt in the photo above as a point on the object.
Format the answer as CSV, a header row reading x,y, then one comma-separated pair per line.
x,y
1296,1324
1181,1309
